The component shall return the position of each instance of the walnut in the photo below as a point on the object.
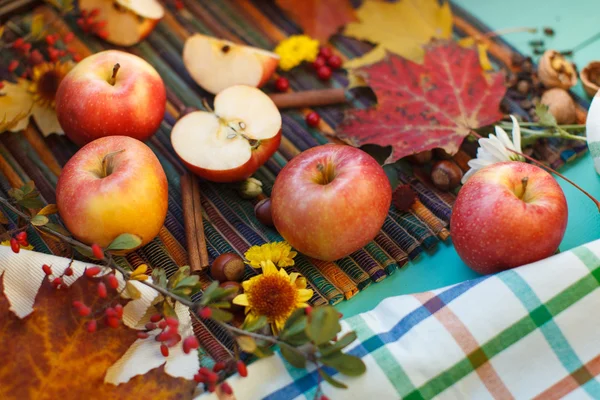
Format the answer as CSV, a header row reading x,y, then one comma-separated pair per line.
x,y
561,105
556,72
590,78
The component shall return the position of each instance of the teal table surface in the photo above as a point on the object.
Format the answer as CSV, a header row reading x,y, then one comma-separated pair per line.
x,y
573,21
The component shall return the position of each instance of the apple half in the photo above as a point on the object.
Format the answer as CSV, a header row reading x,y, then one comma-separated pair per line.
x,y
217,64
231,143
127,21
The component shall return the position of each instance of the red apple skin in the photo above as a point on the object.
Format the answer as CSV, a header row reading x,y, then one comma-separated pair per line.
x,y
259,156
88,107
132,199
269,66
494,230
330,221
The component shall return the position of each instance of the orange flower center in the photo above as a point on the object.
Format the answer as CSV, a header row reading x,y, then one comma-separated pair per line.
x,y
272,296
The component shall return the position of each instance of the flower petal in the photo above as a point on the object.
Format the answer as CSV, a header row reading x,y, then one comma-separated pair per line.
x,y
269,268
46,120
495,148
304,295
516,134
241,300
503,137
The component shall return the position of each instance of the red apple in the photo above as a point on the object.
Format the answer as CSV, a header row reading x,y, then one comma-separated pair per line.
x,y
217,64
232,142
111,186
506,215
108,93
330,201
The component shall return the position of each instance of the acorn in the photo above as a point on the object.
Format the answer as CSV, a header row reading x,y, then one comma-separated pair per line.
x,y
446,175
228,267
262,210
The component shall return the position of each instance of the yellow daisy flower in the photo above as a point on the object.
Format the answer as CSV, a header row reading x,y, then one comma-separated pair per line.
x,y
274,294
280,253
295,49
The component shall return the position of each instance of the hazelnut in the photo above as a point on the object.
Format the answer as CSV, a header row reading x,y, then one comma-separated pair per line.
x,y
561,105
446,175
262,210
555,71
421,158
228,267
590,78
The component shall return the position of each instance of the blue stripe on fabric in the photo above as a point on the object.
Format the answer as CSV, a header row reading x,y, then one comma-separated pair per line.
x,y
309,381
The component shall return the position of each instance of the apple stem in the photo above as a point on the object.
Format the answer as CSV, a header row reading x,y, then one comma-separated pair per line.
x,y
113,78
206,105
524,183
550,169
107,163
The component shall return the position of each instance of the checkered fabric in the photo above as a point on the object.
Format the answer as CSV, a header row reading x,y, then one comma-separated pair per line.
x,y
531,332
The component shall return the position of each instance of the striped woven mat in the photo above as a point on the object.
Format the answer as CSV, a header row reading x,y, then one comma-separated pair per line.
x,y
230,224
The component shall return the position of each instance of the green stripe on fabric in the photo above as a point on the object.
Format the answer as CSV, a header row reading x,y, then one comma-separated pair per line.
x,y
521,328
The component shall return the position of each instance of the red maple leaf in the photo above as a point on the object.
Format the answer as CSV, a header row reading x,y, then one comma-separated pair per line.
x,y
422,107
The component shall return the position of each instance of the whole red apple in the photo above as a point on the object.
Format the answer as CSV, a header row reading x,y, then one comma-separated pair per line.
x,y
111,186
506,215
330,201
110,93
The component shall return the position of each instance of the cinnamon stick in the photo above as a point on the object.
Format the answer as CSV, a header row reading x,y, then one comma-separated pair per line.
x,y
309,98
194,227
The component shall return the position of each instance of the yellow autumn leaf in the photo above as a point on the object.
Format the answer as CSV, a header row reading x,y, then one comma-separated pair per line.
x,y
402,27
16,104
1,31
132,291
48,210
482,48
140,273
37,26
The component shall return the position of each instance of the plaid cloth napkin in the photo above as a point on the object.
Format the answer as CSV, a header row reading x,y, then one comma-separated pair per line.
x,y
529,332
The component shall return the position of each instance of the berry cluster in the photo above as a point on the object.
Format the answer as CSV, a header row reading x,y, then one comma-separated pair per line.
x,y
89,24
326,62
169,335
211,378
18,241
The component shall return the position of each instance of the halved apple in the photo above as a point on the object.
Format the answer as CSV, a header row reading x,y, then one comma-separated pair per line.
x,y
127,21
231,143
217,64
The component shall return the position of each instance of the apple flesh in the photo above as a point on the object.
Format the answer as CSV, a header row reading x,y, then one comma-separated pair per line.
x,y
108,93
231,143
506,215
217,64
330,201
111,186
127,21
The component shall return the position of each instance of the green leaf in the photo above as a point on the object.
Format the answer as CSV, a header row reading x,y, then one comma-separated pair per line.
x,y
39,220
209,292
323,324
32,203
188,281
221,304
295,316
57,228
28,187
263,351
132,291
298,339
544,114
181,273
221,315
159,277
246,343
345,363
327,378
255,325
185,292
16,194
125,241
168,310
295,358
84,251
327,348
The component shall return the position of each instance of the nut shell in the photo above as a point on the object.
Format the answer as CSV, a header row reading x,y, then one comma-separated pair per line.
x,y
446,175
228,267
590,78
561,105
262,210
555,71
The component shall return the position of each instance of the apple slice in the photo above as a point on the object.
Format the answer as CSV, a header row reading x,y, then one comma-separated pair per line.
x,y
217,64
127,21
232,142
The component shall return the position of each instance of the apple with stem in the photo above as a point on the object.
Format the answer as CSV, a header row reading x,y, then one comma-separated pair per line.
x,y
217,64
231,142
111,186
108,93
330,201
506,215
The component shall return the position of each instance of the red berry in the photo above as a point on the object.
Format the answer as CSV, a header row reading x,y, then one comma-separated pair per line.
x,y
155,318
113,322
17,44
47,269
319,62
110,312
52,53
334,61
113,282
150,326
282,84
92,271
91,326
1,85
101,24
62,53
205,313
50,39
68,38
36,57
102,290
308,310
172,341
313,119
164,350
199,378
190,343
324,73
142,335
14,245
211,387
161,337
212,377
172,322
242,369
225,388
95,12
57,282
12,66
178,4
162,324
219,366
119,309
25,48
325,52
77,304
97,252
21,236
69,271
81,22
323,397
102,34
84,311
76,57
